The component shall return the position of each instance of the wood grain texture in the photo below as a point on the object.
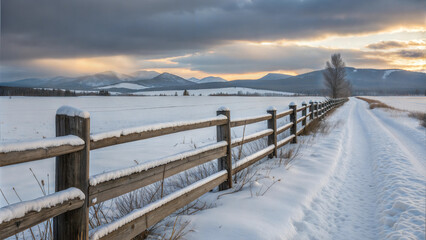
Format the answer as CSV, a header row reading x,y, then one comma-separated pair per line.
x,y
272,139
251,162
250,138
72,170
117,187
293,119
223,133
250,121
285,127
30,219
153,133
17,157
283,114
137,226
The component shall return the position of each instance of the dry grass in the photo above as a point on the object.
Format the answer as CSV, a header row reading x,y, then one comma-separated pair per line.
x,y
377,104
420,116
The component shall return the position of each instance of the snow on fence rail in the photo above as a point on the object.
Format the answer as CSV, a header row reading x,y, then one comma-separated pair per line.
x,y
76,190
20,152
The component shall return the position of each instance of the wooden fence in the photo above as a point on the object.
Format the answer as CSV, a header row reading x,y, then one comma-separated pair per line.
x,y
76,191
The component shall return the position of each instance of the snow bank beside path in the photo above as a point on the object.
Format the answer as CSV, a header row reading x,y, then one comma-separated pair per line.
x,y
257,213
364,180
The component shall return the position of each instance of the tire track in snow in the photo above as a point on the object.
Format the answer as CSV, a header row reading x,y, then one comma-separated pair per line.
x,y
415,150
400,184
345,208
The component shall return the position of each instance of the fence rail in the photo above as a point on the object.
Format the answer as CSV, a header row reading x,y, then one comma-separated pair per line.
x,y
72,148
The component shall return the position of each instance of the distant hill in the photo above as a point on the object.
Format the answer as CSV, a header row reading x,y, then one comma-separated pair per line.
x,y
274,76
364,81
193,79
211,79
144,75
164,80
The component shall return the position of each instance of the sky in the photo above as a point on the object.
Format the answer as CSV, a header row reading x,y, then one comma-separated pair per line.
x,y
233,39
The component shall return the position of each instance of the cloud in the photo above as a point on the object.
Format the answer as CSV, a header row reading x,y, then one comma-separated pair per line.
x,y
411,54
93,28
387,45
395,44
247,58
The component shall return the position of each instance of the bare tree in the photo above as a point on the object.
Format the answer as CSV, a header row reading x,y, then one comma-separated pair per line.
x,y
334,77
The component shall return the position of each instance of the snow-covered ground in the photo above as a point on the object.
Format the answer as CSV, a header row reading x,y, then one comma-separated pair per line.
x,y
364,180
409,103
206,92
32,118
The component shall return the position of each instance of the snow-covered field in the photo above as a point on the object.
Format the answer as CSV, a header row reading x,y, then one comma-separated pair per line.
x,y
409,103
363,180
207,92
30,118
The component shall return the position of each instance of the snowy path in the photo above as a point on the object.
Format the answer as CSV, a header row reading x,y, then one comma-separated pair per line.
x,y
365,180
347,204
378,188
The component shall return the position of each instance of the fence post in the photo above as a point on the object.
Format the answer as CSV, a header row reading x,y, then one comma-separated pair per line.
x,y
316,109
72,170
304,115
293,118
311,110
224,134
272,124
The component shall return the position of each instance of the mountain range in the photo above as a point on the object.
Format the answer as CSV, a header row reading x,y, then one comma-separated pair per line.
x,y
364,81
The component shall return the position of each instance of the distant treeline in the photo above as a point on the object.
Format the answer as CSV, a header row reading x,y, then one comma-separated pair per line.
x,y
22,91
251,94
388,92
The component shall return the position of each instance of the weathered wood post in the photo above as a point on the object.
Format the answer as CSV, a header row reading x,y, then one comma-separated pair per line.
x,y
311,110
316,109
304,115
72,170
293,119
224,134
272,124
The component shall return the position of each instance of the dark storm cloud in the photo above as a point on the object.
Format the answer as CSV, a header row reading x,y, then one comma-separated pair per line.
x,y
82,28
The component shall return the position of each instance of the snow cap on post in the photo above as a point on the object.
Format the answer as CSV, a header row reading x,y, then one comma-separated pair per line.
x,y
271,108
223,108
304,103
310,101
72,112
292,104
